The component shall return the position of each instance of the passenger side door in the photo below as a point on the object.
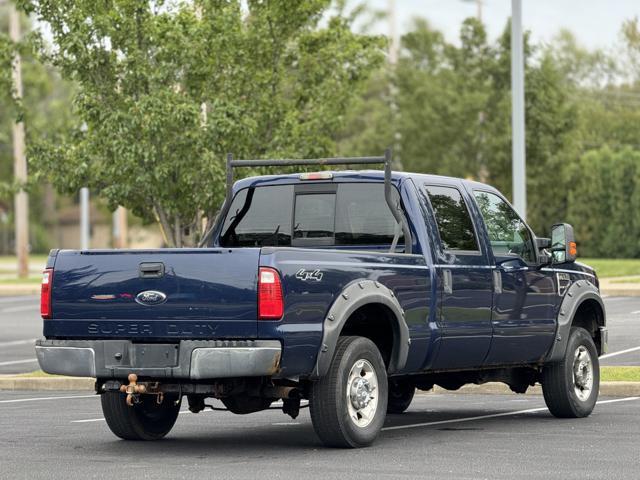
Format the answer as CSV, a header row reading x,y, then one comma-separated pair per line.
x,y
525,296
465,288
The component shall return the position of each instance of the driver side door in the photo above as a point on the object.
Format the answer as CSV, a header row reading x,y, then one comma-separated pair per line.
x,y
524,296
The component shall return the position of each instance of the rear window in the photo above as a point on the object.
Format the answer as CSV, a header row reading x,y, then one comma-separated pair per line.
x,y
259,216
344,214
453,219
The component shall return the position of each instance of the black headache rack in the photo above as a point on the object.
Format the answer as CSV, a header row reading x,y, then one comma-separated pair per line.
x,y
396,209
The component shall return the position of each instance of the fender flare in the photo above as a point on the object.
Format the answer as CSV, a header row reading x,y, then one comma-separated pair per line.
x,y
578,293
354,296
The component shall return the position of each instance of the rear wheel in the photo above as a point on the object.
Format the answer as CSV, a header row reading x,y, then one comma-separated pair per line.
x,y
571,386
401,393
146,420
348,405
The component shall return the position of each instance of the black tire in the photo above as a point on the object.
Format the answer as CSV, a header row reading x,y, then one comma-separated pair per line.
x,y
401,393
144,421
564,392
329,403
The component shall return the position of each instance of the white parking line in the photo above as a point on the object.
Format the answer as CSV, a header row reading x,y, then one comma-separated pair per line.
x,y
19,400
613,354
12,343
635,312
494,415
18,362
21,308
6,300
414,425
101,419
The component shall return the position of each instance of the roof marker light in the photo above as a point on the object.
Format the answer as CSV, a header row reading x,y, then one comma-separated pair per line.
x,y
316,176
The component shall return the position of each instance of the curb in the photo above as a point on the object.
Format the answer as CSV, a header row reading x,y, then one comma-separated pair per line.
x,y
620,292
607,389
46,383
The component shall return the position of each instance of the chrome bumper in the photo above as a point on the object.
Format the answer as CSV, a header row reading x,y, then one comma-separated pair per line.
x,y
189,359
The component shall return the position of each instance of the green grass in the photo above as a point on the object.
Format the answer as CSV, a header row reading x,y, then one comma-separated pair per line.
x,y
613,267
620,374
35,258
21,281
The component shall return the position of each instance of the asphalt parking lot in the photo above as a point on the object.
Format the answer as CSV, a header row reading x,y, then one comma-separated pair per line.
x,y
62,435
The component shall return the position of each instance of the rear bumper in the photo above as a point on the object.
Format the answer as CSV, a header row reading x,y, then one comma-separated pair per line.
x,y
188,359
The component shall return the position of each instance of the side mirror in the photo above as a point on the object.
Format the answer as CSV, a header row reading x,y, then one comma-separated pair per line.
x,y
543,243
544,258
563,243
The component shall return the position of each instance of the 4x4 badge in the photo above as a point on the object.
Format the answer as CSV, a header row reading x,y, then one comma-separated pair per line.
x,y
305,275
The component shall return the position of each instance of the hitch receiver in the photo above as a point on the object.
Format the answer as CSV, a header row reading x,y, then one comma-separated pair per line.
x,y
135,389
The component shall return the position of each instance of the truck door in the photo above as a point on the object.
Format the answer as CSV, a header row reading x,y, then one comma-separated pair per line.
x,y
464,308
524,295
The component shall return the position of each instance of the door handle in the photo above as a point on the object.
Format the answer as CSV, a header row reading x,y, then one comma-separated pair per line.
x,y
497,281
447,281
151,270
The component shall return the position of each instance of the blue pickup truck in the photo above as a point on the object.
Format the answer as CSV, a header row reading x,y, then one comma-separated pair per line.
x,y
346,289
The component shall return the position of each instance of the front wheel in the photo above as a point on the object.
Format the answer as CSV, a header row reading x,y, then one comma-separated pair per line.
x,y
348,405
571,386
146,420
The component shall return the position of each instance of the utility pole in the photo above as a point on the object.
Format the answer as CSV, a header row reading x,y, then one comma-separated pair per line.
x,y
21,199
394,53
84,218
517,111
120,228
478,8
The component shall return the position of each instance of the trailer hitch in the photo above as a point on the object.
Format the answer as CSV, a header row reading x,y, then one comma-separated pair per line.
x,y
135,389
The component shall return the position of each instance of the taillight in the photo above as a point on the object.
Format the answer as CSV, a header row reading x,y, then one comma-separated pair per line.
x,y
45,293
270,303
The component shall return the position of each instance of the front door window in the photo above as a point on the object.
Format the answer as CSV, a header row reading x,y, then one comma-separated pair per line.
x,y
508,234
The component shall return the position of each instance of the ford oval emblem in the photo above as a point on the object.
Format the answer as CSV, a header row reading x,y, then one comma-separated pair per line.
x,y
151,297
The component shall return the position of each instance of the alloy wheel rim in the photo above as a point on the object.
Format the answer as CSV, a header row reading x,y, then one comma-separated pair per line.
x,y
362,393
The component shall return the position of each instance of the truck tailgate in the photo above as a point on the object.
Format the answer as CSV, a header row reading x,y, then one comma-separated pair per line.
x,y
154,294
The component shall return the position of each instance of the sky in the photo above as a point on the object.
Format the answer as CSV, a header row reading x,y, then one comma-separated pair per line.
x,y
595,23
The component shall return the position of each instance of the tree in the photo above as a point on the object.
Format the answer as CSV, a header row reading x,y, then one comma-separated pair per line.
x,y
444,94
455,115
165,89
604,203
46,112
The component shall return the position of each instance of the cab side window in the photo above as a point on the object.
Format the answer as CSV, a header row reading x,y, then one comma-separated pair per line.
x,y
508,234
453,219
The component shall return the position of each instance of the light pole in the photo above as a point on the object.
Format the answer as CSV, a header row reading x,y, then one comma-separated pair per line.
x,y
517,111
84,218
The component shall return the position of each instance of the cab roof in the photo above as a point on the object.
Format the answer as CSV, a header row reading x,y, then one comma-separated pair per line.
x,y
343,176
